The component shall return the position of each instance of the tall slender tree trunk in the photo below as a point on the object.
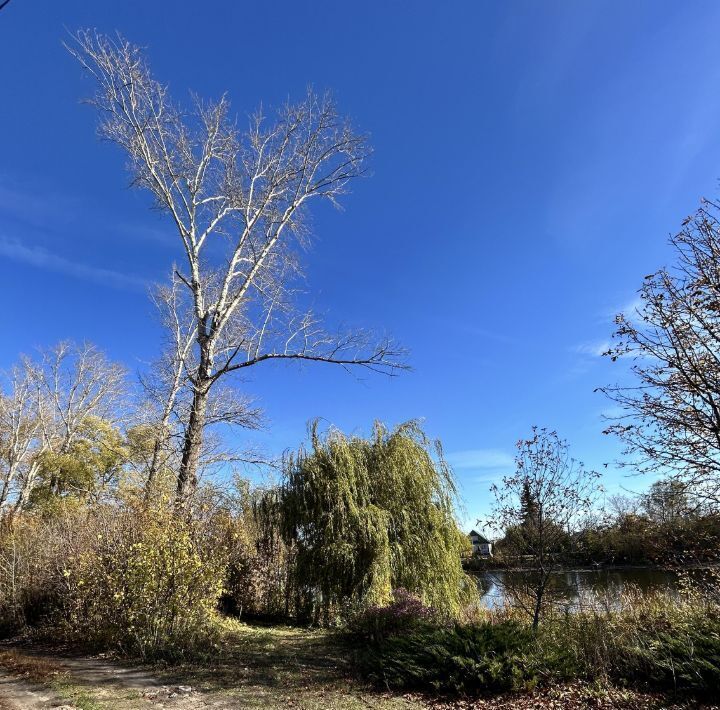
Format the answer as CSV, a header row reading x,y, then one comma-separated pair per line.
x,y
5,490
9,478
539,594
24,497
163,435
154,463
159,457
192,446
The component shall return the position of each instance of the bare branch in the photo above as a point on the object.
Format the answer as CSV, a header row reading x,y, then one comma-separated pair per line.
x,y
670,420
239,201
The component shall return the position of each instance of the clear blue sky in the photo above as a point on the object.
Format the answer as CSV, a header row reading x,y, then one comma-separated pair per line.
x,y
531,160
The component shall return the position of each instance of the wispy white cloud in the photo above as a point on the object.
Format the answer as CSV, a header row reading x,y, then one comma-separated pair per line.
x,y
485,459
595,348
41,258
47,209
146,233
39,207
612,413
628,308
590,349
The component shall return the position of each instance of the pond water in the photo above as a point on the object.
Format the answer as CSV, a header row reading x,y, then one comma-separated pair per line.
x,y
575,585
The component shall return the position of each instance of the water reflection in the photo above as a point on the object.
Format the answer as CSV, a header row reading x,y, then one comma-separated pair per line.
x,y
576,585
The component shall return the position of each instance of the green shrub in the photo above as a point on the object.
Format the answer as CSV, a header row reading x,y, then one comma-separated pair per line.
x,y
653,642
659,641
456,659
678,658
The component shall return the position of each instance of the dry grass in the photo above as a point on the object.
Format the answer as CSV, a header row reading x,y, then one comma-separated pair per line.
x,y
283,666
37,670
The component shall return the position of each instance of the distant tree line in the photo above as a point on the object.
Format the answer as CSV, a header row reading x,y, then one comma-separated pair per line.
x,y
662,527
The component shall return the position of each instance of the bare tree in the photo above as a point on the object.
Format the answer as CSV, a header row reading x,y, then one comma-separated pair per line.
x,y
46,407
20,432
238,201
667,502
620,505
539,507
170,395
671,413
77,381
71,383
168,378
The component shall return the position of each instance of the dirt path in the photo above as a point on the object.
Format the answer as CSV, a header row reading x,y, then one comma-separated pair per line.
x,y
33,679
21,693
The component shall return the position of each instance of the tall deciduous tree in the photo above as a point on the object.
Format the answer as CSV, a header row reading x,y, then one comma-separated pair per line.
x,y
238,201
671,411
76,382
90,468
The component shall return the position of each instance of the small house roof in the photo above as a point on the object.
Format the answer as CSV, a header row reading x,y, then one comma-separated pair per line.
x,y
481,538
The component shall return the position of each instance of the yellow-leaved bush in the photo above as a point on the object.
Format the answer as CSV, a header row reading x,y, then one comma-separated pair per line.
x,y
149,585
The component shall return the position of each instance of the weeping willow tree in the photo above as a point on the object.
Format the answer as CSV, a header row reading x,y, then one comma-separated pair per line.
x,y
366,516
